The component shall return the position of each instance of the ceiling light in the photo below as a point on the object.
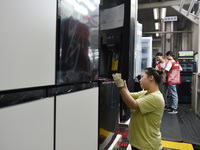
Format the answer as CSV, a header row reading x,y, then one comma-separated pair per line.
x,y
79,8
157,34
97,1
88,4
190,7
156,13
163,12
157,26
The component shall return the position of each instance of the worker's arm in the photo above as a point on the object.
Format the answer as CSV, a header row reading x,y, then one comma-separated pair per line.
x,y
164,71
167,68
125,94
128,99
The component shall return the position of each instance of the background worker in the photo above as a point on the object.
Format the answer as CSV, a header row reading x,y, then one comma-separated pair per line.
x,y
161,65
173,78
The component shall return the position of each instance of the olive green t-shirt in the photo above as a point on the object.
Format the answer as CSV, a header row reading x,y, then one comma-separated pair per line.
x,y
144,128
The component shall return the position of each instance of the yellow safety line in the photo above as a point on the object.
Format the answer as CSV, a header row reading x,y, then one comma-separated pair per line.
x,y
177,145
104,132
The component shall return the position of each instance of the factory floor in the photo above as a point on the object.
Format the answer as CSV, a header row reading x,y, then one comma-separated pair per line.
x,y
169,145
180,131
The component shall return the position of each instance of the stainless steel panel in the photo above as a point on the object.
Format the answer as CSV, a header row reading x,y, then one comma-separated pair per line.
x,y
198,96
194,92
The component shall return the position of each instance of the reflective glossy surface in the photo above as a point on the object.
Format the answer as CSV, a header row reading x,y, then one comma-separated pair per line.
x,y
77,50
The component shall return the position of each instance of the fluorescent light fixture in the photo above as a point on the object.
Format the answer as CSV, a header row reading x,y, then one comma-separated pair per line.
x,y
156,13
181,5
157,34
88,4
197,14
79,8
190,7
97,1
157,26
163,12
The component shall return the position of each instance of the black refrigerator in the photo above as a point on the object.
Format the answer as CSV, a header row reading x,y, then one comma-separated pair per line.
x,y
117,20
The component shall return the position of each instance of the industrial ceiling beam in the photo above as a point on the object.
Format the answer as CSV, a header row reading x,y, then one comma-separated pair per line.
x,y
184,13
197,14
163,4
167,32
190,7
181,5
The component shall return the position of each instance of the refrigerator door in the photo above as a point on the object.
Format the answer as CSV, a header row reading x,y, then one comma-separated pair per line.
x,y
116,38
77,42
109,100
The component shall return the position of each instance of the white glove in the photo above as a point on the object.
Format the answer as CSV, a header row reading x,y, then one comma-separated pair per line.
x,y
118,80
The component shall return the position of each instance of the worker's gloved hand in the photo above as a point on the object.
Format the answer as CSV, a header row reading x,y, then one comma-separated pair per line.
x,y
118,80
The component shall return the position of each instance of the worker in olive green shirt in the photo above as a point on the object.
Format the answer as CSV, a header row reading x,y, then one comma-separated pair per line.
x,y
146,110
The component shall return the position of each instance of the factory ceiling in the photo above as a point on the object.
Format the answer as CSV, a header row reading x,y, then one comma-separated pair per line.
x,y
179,8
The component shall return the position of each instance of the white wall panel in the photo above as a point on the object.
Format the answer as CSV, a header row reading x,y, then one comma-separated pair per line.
x,y
27,43
27,126
77,120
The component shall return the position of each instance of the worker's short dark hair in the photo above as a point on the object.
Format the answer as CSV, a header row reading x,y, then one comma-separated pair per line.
x,y
159,54
170,53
